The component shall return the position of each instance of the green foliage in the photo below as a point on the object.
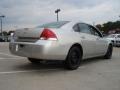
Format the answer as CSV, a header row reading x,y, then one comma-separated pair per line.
x,y
5,33
106,27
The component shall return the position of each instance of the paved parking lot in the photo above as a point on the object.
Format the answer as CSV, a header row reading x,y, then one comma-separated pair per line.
x,y
16,73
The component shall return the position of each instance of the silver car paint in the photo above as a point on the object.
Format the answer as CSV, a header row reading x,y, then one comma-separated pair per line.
x,y
57,50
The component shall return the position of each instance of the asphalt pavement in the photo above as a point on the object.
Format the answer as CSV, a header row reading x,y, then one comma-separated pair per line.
x,y
17,73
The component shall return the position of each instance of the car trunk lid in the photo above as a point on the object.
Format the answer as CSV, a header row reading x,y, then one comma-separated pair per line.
x,y
28,34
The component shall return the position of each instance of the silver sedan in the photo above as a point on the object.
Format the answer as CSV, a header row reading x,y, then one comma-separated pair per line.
x,y
70,41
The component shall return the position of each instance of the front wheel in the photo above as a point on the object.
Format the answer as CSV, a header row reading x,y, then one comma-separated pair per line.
x,y
73,59
108,55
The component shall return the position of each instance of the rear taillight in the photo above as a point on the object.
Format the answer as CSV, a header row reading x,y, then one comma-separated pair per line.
x,y
47,34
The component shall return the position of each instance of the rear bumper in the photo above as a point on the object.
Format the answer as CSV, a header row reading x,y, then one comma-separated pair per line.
x,y
46,50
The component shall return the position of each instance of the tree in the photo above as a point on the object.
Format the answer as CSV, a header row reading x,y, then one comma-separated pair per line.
x,y
109,26
4,33
10,32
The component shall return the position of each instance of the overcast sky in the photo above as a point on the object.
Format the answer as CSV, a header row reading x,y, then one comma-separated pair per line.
x,y
30,13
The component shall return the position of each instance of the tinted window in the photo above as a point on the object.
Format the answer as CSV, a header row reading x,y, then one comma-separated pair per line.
x,y
53,24
95,31
84,28
76,28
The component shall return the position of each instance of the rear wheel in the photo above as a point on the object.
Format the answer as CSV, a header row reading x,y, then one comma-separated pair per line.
x,y
108,55
34,61
74,58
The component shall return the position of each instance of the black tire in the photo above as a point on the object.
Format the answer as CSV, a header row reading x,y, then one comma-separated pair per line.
x,y
108,55
73,59
34,61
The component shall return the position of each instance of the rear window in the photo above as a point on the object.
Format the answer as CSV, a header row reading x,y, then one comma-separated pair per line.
x,y
53,24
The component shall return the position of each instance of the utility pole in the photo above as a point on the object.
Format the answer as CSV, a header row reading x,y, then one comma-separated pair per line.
x,y
2,16
57,11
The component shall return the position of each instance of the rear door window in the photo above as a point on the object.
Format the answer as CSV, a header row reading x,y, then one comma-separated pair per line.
x,y
76,28
84,28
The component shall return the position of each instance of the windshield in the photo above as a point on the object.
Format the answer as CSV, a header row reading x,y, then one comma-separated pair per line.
x,y
53,24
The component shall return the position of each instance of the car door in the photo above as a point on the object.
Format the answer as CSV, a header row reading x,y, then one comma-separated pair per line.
x,y
88,40
101,43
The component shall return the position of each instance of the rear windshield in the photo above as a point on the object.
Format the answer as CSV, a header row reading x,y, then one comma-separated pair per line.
x,y
53,24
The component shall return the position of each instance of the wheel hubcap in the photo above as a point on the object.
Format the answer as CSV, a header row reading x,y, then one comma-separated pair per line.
x,y
75,57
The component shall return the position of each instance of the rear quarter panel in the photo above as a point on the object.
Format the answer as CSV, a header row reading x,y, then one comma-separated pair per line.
x,y
66,38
